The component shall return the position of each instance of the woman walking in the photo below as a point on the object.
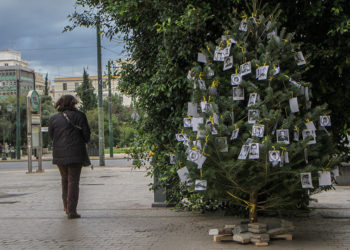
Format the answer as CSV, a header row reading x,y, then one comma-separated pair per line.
x,y
70,132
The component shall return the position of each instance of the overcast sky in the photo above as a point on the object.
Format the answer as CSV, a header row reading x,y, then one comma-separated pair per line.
x,y
34,27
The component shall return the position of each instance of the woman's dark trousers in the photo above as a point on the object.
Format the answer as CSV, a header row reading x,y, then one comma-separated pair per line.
x,y
70,186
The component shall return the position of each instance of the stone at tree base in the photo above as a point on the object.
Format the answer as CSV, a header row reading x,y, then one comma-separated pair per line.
x,y
243,238
230,226
257,225
285,223
257,231
260,237
240,229
213,231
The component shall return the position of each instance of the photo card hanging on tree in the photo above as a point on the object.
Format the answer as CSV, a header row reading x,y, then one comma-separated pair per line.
x,y
187,123
282,136
226,51
184,175
310,125
243,26
286,157
210,72
258,130
201,84
274,156
310,135
245,68
335,171
244,152
181,137
192,109
306,180
202,58
253,97
294,83
196,157
172,159
205,107
197,144
261,72
236,79
228,63
253,151
293,104
296,135
213,91
324,178
325,121
238,93
253,116
218,55
299,58
276,70
196,122
234,135
200,185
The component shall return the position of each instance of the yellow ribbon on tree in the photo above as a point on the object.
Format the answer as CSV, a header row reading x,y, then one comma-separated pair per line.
x,y
236,127
296,127
215,83
208,48
211,119
204,99
201,172
201,75
245,17
252,206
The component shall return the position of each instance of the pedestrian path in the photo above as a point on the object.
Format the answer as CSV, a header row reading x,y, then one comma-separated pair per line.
x,y
115,204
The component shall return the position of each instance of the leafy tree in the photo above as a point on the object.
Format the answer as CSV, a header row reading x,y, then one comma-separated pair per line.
x,y
46,91
163,38
86,94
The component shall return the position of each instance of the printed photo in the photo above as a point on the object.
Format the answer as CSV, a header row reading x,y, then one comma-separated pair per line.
x,y
261,72
244,152
276,70
243,26
202,85
274,156
252,99
245,69
324,178
253,116
254,151
236,79
282,136
258,130
196,157
205,107
226,51
172,160
296,135
200,185
306,180
299,58
210,72
234,135
191,74
238,93
325,121
181,137
187,123
228,62
202,58
183,174
310,135
218,55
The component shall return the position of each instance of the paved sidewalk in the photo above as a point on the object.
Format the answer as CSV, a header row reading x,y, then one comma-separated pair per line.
x,y
115,204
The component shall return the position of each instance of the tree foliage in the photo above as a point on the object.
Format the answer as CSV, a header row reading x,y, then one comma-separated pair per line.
x,y
86,94
163,38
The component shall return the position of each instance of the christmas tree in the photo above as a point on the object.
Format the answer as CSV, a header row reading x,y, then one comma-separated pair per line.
x,y
251,134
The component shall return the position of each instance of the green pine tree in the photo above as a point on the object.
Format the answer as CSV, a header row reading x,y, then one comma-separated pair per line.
x,y
275,80
46,90
86,94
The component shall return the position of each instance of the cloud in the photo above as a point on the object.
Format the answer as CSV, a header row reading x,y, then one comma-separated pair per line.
x,y
35,29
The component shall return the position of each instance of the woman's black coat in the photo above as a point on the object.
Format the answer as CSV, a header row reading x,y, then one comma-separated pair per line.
x,y
69,143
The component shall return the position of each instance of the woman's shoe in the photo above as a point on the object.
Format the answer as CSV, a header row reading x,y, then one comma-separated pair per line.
x,y
74,216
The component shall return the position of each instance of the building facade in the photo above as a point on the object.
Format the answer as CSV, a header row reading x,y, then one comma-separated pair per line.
x,y
14,69
69,85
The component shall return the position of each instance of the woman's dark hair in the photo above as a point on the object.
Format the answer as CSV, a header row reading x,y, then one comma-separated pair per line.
x,y
66,102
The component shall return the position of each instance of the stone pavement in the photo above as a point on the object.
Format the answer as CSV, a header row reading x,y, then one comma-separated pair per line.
x,y
115,204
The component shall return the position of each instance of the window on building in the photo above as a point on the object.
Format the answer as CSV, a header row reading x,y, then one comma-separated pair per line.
x,y
6,64
64,86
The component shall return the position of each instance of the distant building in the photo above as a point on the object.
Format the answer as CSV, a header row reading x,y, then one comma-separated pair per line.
x,y
12,69
69,85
